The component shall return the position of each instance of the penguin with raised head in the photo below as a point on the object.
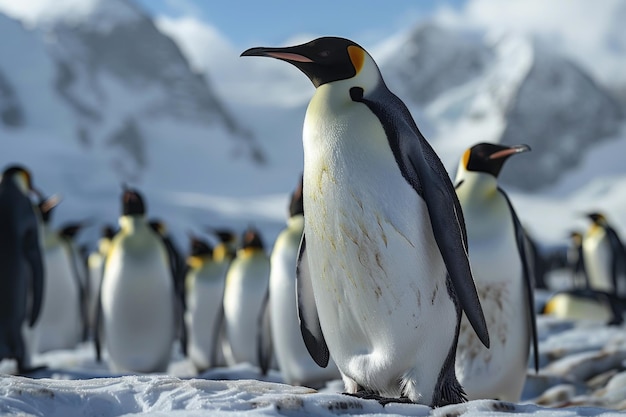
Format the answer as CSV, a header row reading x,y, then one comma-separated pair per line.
x,y
294,361
604,256
21,266
61,321
247,281
502,269
383,273
95,267
204,288
137,297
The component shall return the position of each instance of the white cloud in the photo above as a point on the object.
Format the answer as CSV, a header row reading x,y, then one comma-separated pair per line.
x,y
32,12
249,80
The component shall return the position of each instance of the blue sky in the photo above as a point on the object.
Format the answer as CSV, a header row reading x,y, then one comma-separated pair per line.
x,y
248,22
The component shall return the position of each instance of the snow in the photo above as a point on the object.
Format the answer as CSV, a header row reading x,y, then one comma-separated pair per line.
x,y
582,373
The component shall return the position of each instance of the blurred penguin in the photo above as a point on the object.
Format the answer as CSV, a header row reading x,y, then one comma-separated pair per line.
x,y
204,283
21,266
604,256
247,282
586,304
576,261
137,298
296,365
178,275
95,267
61,323
502,269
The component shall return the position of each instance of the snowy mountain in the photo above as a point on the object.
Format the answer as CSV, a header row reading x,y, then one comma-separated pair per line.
x,y
511,90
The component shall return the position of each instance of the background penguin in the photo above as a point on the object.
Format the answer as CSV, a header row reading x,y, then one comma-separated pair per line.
x,y
604,256
383,228
177,268
501,265
21,266
586,304
61,322
294,361
95,268
204,283
576,261
137,296
247,282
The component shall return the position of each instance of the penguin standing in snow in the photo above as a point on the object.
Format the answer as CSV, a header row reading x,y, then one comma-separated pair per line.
x,y
383,273
204,284
576,261
95,267
501,265
247,281
295,364
61,321
604,256
21,266
137,298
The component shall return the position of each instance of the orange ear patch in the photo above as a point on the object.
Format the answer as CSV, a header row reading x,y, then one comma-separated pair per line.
x,y
466,157
357,56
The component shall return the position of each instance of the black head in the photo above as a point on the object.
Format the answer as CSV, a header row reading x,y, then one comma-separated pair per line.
x,y
158,226
70,230
296,205
226,236
490,157
596,217
132,203
251,239
199,247
108,232
323,60
14,170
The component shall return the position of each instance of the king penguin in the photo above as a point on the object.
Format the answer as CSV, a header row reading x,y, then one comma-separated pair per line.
x,y
247,282
204,284
21,266
604,256
295,364
61,321
383,272
501,264
137,297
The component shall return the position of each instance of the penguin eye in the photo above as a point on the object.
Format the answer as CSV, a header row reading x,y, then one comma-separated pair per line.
x,y
324,54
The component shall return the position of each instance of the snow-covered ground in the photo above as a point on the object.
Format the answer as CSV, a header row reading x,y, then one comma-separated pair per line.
x,y
583,372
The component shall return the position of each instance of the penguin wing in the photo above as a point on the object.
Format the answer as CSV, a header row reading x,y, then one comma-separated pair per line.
x,y
307,310
527,273
619,257
264,335
34,257
424,171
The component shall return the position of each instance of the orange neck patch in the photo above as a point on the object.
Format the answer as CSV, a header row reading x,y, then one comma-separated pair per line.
x,y
466,157
357,56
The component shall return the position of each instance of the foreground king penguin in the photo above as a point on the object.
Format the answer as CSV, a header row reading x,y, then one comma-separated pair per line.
x,y
383,272
502,268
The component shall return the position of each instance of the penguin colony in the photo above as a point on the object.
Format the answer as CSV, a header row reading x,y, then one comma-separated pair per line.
x,y
388,276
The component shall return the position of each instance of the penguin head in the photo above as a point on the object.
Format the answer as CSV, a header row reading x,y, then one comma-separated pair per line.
x,y
108,232
327,59
227,247
132,203
576,237
251,240
199,247
489,157
158,226
296,205
21,176
597,218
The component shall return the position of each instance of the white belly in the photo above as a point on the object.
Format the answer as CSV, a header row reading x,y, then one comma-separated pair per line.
x,y
597,255
378,277
59,324
246,284
500,371
295,363
203,306
138,310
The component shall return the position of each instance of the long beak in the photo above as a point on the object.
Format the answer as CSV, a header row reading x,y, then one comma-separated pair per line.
x,y
284,54
509,151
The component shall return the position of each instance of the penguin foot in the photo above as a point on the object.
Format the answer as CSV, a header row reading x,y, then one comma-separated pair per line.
x,y
368,395
28,371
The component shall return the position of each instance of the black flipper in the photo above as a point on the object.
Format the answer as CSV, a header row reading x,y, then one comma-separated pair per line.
x,y
265,348
34,257
307,311
619,257
424,171
529,282
219,334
